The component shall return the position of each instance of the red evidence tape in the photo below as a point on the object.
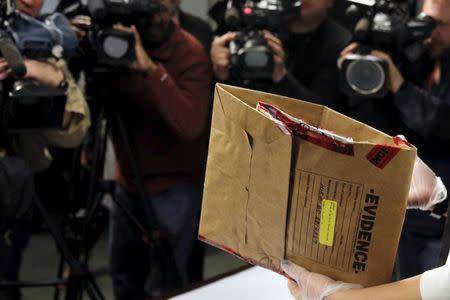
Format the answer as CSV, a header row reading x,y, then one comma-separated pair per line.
x,y
309,132
400,140
381,155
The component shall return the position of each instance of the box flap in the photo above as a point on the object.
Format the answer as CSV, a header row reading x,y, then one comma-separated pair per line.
x,y
247,182
316,115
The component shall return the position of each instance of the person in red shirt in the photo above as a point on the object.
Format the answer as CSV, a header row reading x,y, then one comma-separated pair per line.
x,y
164,101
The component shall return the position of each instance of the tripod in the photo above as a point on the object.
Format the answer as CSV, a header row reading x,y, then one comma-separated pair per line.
x,y
79,269
155,237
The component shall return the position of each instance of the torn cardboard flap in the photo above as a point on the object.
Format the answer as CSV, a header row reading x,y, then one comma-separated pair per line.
x,y
269,196
241,215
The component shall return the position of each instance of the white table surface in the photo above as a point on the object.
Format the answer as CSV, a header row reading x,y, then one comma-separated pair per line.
x,y
254,283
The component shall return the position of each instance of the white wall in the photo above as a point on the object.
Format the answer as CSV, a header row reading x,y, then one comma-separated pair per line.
x,y
196,7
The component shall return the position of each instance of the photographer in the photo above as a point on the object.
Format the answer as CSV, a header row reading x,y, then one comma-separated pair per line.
x,y
52,73
304,62
163,99
31,145
414,107
201,30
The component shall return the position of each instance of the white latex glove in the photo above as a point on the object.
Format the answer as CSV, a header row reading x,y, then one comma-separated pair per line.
x,y
312,286
426,188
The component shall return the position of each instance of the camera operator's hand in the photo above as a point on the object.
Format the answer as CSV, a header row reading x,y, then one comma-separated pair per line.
x,y
48,75
45,73
5,71
80,24
220,56
279,66
143,62
348,50
395,77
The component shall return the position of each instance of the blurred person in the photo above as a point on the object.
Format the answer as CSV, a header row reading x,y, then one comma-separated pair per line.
x,y
419,109
201,30
304,61
163,99
17,196
32,146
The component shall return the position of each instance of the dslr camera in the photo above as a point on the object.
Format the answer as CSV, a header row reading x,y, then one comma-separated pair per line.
x,y
111,47
387,26
251,58
24,103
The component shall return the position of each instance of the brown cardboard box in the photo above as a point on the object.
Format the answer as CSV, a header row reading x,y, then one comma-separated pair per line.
x,y
269,196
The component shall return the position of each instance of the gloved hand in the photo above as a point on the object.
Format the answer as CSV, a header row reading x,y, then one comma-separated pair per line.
x,y
312,286
426,188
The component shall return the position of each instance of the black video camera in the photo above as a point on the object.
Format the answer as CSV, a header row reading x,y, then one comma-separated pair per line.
x,y
112,47
389,27
251,58
24,103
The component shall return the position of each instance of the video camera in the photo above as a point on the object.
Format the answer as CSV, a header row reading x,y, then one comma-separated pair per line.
x,y
111,47
24,103
386,26
251,58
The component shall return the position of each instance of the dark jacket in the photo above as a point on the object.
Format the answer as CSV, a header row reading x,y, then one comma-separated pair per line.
x,y
426,112
165,113
311,61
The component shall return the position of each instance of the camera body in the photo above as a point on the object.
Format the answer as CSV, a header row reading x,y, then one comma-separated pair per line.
x,y
111,47
24,103
29,105
251,57
389,27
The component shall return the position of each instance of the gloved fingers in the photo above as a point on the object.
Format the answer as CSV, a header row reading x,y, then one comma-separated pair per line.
x,y
423,183
312,286
439,193
294,271
309,286
294,289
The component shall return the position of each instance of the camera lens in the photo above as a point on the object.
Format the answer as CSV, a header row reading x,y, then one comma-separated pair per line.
x,y
255,59
365,76
115,46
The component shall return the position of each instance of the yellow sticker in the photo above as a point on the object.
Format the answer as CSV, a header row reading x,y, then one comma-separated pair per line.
x,y
327,222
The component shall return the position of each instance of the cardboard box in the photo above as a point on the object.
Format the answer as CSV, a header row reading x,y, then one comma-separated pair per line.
x,y
269,196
